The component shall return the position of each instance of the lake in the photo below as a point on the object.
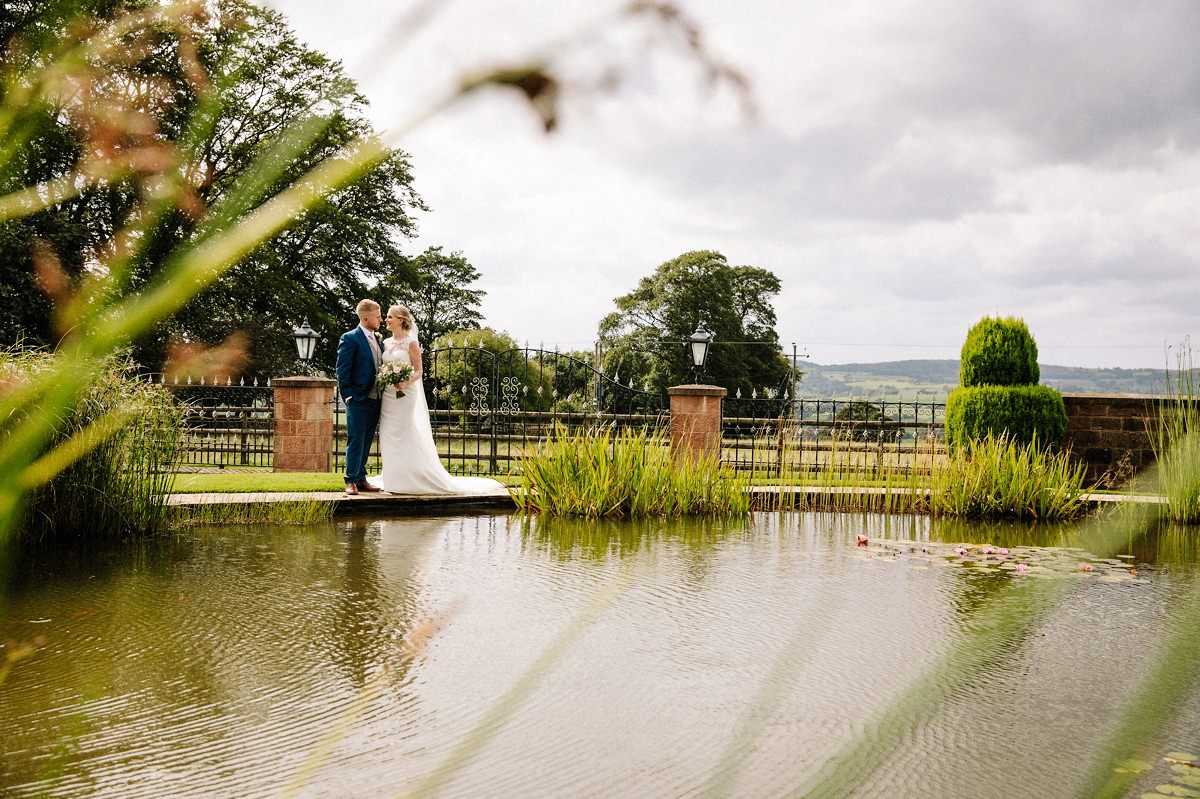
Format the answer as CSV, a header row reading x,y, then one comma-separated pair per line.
x,y
504,657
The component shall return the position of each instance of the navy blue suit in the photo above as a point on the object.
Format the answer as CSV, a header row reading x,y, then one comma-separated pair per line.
x,y
356,383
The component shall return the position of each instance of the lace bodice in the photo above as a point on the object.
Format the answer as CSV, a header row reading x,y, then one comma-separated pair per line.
x,y
397,350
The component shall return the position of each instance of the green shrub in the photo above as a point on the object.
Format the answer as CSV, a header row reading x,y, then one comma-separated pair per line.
x,y
999,352
1022,412
119,486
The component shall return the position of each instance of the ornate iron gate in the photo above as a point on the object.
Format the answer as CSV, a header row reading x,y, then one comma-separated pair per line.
x,y
488,408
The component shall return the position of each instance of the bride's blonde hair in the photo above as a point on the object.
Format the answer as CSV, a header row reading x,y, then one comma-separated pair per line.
x,y
404,315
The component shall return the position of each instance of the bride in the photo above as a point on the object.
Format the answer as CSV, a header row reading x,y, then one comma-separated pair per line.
x,y
410,458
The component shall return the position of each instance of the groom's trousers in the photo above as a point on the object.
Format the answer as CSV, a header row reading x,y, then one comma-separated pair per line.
x,y
362,420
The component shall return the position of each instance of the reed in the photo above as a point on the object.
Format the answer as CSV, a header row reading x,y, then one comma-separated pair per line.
x,y
1175,437
997,477
847,480
298,511
629,473
119,486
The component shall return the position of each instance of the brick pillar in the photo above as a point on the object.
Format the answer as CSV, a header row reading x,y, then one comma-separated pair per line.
x,y
696,420
303,423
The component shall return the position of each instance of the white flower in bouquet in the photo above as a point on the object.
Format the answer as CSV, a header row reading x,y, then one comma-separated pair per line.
x,y
390,374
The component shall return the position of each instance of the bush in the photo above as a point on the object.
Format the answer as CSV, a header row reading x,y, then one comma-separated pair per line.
x,y
1022,412
120,486
999,352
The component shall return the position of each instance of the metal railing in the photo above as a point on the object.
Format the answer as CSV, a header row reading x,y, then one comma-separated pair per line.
x,y
488,409
774,435
226,424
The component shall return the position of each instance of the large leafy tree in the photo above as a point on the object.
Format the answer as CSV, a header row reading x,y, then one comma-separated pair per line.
x,y
643,339
436,288
317,268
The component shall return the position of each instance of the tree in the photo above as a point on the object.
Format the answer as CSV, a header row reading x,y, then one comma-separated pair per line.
x,y
864,421
434,286
478,367
269,83
643,339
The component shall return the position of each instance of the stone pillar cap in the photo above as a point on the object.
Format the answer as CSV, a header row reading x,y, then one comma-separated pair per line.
x,y
303,382
696,390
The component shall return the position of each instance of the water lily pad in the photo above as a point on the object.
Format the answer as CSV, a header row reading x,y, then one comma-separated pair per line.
x,y
1184,779
1135,766
1180,757
1176,790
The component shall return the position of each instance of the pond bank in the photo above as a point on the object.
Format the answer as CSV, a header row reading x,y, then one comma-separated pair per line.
x,y
404,504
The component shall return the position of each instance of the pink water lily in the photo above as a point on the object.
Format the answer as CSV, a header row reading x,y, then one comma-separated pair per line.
x,y
960,551
1022,568
987,550
1002,552
1086,567
861,540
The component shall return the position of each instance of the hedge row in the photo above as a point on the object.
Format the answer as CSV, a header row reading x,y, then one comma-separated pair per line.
x,y
1021,411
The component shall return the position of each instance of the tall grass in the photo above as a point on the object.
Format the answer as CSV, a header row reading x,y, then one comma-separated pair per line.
x,y
1175,437
990,478
997,477
291,511
119,485
630,473
844,481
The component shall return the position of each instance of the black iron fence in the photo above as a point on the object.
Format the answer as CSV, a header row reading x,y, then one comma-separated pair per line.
x,y
488,408
226,424
773,433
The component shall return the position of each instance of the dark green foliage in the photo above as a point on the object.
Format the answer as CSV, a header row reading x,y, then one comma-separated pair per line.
x,y
1022,411
643,339
999,352
864,421
268,82
435,286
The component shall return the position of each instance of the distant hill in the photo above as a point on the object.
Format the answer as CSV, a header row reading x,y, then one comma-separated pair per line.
x,y
931,380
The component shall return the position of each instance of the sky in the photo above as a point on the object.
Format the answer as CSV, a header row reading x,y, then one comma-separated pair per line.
x,y
905,168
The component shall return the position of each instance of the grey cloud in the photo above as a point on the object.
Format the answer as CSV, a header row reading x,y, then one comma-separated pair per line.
x,y
859,171
1089,82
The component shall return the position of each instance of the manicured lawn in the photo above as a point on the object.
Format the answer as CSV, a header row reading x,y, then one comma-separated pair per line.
x,y
255,482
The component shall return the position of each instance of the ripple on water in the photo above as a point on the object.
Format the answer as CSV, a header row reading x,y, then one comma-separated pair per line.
x,y
734,654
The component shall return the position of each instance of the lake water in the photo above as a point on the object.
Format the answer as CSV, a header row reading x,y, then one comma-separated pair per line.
x,y
490,656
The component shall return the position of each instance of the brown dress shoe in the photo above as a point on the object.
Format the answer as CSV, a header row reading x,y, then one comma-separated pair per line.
x,y
351,490
367,487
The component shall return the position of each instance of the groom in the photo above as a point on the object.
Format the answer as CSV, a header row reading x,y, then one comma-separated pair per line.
x,y
358,357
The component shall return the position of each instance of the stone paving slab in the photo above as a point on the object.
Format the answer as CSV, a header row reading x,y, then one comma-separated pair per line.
x,y
404,504
343,504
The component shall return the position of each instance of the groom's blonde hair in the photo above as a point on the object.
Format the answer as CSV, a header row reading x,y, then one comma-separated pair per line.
x,y
365,307
405,316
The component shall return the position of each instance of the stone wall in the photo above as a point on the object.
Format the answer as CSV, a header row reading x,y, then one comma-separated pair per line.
x,y
1109,433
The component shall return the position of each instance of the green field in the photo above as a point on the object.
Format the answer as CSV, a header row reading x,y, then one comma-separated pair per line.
x,y
932,380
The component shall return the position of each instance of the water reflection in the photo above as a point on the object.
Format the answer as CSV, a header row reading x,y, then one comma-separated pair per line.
x,y
741,655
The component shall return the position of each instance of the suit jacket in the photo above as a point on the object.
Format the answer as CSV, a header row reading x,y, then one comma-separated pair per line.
x,y
356,365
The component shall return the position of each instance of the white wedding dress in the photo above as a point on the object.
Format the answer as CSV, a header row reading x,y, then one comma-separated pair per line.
x,y
410,459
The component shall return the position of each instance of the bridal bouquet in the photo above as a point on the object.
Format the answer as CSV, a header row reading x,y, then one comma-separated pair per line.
x,y
391,373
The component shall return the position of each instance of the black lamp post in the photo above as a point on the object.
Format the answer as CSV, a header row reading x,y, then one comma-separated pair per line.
x,y
306,340
698,343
